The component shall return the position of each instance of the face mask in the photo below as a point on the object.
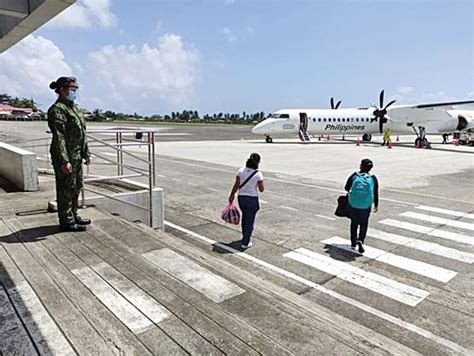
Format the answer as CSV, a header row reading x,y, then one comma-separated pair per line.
x,y
71,96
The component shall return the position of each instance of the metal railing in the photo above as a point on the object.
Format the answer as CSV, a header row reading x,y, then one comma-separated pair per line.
x,y
122,141
122,149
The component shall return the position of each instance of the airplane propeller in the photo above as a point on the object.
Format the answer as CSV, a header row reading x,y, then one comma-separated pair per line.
x,y
381,111
336,106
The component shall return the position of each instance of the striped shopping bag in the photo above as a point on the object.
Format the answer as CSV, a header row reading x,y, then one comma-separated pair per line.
x,y
231,214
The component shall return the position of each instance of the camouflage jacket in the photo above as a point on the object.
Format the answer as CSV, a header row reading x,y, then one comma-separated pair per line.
x,y
68,126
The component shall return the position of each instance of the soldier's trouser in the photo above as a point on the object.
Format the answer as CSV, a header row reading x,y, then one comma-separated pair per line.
x,y
68,188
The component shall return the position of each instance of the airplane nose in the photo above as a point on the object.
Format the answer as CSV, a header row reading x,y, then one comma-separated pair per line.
x,y
261,128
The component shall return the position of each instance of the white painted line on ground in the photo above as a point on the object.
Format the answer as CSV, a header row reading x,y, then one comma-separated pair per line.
x,y
213,190
425,246
448,235
141,300
123,310
206,282
445,211
437,220
418,267
108,154
366,308
263,201
325,217
14,338
176,179
288,208
161,176
46,335
193,185
392,289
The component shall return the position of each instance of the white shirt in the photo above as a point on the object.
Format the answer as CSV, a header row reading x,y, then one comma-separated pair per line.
x,y
250,188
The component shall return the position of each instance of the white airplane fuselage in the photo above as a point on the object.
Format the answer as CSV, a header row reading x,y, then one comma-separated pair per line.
x,y
349,121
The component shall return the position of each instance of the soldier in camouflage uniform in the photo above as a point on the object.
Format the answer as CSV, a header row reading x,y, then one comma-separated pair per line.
x,y
68,149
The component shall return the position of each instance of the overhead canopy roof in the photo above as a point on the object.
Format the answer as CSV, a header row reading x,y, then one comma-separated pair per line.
x,y
19,18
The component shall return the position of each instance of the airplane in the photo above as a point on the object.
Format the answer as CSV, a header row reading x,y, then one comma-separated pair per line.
x,y
401,119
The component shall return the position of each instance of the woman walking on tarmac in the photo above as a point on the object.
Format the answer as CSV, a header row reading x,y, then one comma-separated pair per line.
x,y
363,191
248,182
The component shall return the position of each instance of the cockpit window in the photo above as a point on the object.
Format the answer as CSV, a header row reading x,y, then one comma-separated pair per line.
x,y
280,116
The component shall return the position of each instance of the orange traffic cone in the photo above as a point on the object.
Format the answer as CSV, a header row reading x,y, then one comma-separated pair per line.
x,y
357,142
418,144
398,138
389,144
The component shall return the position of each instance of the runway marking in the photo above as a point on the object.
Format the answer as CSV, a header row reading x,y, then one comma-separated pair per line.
x,y
445,211
288,208
429,247
206,282
193,185
392,289
325,217
46,335
176,179
437,220
418,267
453,236
108,154
141,300
161,176
213,190
366,308
116,303
263,201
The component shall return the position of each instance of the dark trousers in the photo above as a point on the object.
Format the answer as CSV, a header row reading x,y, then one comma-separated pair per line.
x,y
249,207
68,188
359,218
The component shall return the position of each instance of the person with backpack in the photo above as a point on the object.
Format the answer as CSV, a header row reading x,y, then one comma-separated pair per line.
x,y
363,191
248,182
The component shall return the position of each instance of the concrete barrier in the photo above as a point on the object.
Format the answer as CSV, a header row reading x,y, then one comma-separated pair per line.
x,y
131,213
19,166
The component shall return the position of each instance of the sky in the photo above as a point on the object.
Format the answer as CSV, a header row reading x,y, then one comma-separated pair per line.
x,y
239,55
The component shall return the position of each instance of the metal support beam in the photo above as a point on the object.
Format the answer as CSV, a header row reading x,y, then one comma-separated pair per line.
x,y
15,8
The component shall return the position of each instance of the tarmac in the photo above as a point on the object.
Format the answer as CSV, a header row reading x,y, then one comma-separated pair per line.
x,y
122,288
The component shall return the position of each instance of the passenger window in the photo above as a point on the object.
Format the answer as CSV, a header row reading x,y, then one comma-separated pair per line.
x,y
357,119
338,120
324,119
319,119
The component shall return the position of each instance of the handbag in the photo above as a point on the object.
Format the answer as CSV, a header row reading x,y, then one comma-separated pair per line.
x,y
231,214
342,208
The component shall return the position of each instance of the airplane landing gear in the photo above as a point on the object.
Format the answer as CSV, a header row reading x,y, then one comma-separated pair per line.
x,y
366,137
421,140
268,139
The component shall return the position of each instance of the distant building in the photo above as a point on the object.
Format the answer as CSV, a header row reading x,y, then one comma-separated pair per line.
x,y
8,112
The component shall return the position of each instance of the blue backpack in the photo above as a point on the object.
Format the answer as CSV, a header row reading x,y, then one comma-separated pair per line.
x,y
361,195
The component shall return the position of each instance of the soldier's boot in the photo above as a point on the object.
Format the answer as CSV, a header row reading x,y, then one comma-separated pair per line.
x,y
72,227
82,221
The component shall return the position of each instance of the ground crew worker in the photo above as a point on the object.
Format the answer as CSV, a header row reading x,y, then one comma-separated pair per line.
x,y
386,136
68,149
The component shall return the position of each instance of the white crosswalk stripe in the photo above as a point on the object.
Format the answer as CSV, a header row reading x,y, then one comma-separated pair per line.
x,y
418,267
448,235
425,246
395,290
445,211
438,220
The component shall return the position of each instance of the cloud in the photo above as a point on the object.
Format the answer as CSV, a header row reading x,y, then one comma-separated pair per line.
x,y
135,78
229,35
86,14
27,69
